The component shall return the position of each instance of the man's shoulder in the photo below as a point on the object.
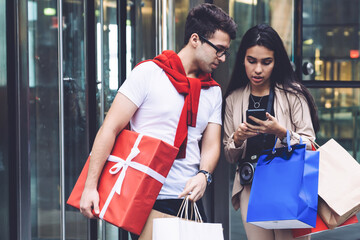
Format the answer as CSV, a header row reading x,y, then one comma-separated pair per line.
x,y
213,92
147,65
146,69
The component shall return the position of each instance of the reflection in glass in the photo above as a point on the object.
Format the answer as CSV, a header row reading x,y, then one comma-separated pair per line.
x,y
339,113
44,116
75,125
141,32
44,120
142,37
106,54
331,36
181,12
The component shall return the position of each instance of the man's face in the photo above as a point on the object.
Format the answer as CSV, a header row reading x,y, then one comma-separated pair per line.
x,y
207,56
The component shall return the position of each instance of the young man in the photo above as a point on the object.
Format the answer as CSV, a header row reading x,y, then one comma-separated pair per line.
x,y
152,99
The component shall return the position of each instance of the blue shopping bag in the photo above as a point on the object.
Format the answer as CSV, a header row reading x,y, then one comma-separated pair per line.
x,y
284,192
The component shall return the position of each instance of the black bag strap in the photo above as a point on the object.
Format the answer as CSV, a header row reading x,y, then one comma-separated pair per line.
x,y
271,100
268,109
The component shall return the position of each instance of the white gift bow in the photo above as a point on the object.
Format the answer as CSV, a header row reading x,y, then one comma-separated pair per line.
x,y
124,164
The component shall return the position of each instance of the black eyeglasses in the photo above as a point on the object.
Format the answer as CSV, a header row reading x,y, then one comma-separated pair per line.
x,y
219,52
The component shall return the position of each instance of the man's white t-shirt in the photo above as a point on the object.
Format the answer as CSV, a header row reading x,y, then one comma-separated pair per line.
x,y
159,108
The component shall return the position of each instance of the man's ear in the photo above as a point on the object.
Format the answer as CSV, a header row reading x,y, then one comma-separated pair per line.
x,y
194,40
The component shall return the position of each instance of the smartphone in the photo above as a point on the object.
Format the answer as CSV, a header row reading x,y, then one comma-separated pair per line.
x,y
257,113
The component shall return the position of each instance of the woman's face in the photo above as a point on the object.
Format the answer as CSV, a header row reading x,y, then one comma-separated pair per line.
x,y
259,63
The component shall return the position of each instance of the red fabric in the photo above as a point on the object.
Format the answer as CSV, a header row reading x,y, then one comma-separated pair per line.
x,y
131,208
320,227
313,147
170,62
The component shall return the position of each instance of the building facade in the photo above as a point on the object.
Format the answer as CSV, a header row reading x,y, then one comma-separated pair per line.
x,y
62,61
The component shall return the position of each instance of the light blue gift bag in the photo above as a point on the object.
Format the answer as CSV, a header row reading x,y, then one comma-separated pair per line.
x,y
284,192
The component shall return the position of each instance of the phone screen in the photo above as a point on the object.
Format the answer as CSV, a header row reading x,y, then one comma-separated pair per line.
x,y
257,113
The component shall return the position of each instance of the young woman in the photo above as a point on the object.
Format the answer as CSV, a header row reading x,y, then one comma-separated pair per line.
x,y
262,66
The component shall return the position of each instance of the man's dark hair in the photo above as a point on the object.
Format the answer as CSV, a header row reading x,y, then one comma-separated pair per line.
x,y
205,19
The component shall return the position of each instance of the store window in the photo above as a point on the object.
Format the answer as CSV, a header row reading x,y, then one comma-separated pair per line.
x,y
331,44
339,115
331,40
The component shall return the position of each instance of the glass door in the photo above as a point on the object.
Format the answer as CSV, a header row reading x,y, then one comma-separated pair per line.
x,y
75,122
57,115
59,83
44,119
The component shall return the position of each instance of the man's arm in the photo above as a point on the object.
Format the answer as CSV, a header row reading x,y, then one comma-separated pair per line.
x,y
210,152
120,112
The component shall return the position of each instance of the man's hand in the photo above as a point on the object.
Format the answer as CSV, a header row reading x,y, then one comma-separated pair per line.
x,y
89,200
196,187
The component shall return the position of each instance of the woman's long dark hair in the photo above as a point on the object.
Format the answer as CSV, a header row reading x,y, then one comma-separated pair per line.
x,y
282,74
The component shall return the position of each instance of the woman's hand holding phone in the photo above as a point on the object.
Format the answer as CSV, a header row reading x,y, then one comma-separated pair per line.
x,y
256,113
270,126
257,121
245,130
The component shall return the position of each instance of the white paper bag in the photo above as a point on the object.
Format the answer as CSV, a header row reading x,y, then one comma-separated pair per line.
x,y
179,228
147,231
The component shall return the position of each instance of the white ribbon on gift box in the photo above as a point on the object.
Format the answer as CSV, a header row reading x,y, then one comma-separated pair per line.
x,y
124,164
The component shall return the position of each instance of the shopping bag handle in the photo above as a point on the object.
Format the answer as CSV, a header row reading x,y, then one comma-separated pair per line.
x,y
287,141
314,144
184,210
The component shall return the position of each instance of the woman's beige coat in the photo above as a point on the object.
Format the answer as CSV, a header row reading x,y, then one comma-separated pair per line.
x,y
235,113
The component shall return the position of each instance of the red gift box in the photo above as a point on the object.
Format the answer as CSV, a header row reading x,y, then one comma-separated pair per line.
x,y
320,227
131,180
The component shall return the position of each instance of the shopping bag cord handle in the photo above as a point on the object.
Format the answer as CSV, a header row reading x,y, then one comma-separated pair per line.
x,y
287,141
184,209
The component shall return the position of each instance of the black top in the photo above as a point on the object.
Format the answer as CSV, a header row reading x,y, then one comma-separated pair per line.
x,y
256,144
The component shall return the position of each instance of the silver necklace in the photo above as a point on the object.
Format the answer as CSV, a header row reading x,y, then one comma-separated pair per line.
x,y
256,104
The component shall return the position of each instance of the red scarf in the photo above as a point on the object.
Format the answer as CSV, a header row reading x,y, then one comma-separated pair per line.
x,y
170,62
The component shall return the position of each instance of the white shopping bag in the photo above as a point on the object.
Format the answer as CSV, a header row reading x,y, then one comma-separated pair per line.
x,y
179,228
182,229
